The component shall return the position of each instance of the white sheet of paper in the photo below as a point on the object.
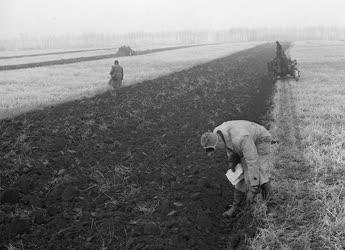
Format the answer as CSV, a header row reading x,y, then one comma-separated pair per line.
x,y
235,177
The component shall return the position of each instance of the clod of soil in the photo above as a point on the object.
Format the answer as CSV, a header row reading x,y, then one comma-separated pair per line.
x,y
164,207
56,193
151,228
70,193
25,184
39,217
3,218
33,200
11,196
18,226
195,196
53,210
61,172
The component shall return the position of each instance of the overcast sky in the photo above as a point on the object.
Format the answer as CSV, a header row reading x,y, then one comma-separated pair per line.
x,y
114,16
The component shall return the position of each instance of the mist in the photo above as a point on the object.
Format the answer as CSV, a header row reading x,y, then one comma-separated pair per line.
x,y
48,17
88,23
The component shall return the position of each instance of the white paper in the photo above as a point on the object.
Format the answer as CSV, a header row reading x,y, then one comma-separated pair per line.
x,y
235,177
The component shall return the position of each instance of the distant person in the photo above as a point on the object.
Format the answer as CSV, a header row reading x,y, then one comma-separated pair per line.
x,y
283,62
279,50
248,143
116,74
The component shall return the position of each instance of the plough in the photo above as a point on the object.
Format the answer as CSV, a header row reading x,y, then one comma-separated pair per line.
x,y
282,67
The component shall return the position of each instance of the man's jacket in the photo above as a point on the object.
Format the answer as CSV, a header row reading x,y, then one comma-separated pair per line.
x,y
116,72
242,137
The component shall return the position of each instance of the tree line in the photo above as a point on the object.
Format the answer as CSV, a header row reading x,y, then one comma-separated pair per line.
x,y
141,39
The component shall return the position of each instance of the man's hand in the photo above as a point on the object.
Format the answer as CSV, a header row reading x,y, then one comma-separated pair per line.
x,y
233,160
252,192
231,166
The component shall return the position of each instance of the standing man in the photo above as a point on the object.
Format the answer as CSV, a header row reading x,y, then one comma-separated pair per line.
x,y
116,74
279,50
250,142
282,60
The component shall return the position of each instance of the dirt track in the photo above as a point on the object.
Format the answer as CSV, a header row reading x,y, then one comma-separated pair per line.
x,y
126,170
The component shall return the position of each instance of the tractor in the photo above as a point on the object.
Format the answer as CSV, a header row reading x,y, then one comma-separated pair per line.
x,y
282,67
125,51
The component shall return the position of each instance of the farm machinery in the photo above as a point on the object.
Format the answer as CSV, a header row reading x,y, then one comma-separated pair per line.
x,y
125,51
282,67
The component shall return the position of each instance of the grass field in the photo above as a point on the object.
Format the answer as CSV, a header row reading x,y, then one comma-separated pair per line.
x,y
309,174
27,89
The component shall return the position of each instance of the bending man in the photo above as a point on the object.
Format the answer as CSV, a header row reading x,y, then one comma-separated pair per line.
x,y
250,144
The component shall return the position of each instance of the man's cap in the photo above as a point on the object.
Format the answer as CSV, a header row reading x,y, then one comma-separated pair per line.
x,y
208,139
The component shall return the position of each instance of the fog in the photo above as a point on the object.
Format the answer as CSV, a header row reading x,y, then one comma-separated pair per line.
x,y
51,17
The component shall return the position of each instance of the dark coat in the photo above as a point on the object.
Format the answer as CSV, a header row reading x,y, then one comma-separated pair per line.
x,y
116,72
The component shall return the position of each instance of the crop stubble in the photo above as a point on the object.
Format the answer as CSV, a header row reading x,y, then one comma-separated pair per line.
x,y
126,169
309,161
55,58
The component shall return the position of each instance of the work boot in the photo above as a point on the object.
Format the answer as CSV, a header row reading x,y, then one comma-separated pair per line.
x,y
266,190
236,204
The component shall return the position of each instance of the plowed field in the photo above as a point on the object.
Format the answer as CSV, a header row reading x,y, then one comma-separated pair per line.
x,y
126,170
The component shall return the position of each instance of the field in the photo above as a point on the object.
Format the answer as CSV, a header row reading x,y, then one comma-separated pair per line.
x,y
125,170
309,174
41,52
54,56
7,54
69,58
28,89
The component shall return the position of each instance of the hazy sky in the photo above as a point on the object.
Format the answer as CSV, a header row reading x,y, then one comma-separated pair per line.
x,y
77,16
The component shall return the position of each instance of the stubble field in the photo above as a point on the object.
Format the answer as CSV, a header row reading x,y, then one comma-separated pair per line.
x,y
26,56
24,59
125,169
309,174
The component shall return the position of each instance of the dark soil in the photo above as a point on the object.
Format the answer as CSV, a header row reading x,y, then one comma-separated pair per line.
x,y
83,59
126,170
